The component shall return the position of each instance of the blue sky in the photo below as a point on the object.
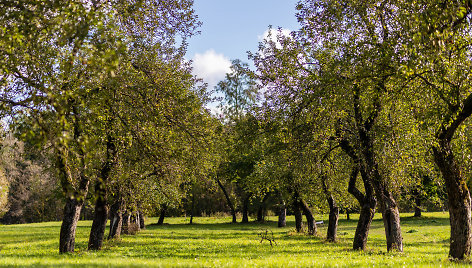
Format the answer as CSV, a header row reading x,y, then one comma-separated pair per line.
x,y
232,27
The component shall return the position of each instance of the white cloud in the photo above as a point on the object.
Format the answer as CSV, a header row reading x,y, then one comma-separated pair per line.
x,y
211,67
271,34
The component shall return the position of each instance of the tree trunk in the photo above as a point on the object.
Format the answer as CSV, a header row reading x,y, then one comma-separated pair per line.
x,y
391,218
192,209
230,204
142,226
282,222
458,200
417,203
348,216
363,225
98,225
69,225
261,209
162,215
298,216
126,223
136,221
245,210
333,220
333,212
310,218
116,220
367,202
100,218
417,212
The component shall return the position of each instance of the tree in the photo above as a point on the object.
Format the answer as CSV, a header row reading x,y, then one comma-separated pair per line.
x,y
65,75
438,61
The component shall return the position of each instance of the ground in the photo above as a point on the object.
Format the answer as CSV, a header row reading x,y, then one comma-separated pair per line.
x,y
215,242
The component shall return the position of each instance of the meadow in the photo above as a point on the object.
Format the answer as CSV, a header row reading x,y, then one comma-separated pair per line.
x,y
213,242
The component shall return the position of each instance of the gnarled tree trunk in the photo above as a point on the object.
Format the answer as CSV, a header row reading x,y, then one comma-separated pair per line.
x,y
391,219
69,225
458,200
310,218
367,201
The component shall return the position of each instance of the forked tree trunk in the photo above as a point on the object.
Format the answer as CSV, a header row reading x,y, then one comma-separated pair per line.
x,y
391,218
162,215
282,222
69,225
368,203
116,220
458,200
310,218
230,204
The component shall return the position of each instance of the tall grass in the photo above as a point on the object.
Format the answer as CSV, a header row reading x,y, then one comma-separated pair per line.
x,y
215,242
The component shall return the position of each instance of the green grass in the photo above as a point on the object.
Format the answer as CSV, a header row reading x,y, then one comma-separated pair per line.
x,y
214,242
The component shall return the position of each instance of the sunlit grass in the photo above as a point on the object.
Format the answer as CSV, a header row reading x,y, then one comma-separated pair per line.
x,y
215,242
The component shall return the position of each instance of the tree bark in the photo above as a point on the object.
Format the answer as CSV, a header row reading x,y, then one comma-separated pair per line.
x,y
282,222
162,215
458,200
69,225
116,220
230,204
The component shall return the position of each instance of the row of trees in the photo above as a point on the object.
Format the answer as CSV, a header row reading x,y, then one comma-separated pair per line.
x,y
103,89
359,104
387,85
